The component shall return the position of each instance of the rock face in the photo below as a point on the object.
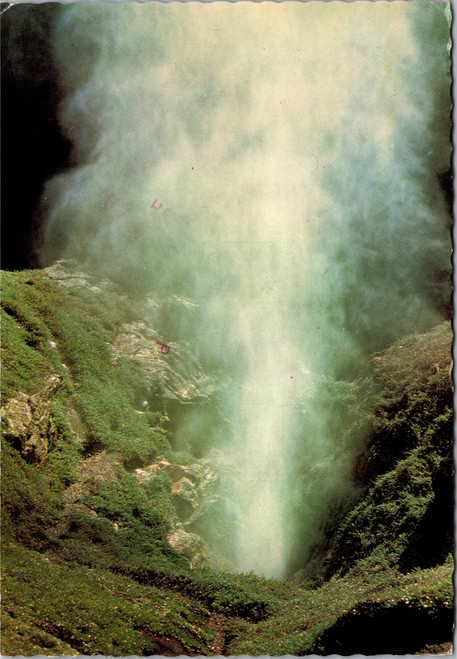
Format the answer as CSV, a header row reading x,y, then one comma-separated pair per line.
x,y
65,272
168,369
184,495
101,467
169,379
189,545
30,424
98,468
191,487
402,517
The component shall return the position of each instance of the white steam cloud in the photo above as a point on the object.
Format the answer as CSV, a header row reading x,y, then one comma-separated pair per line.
x,y
276,164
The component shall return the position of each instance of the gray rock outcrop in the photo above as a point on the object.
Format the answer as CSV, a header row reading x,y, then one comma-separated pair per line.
x,y
66,273
30,423
168,369
191,488
189,545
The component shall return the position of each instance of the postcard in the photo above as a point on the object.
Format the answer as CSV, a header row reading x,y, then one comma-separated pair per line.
x,y
227,408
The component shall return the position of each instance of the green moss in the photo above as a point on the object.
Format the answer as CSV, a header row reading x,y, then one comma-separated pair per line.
x,y
27,356
29,501
402,471
126,534
53,608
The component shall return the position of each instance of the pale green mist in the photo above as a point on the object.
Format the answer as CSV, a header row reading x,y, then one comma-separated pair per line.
x,y
292,149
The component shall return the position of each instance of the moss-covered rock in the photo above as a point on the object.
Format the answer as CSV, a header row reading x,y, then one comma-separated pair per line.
x,y
404,514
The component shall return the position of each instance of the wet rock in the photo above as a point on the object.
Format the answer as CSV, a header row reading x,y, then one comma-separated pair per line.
x,y
65,272
190,483
147,473
168,369
191,489
30,424
189,545
185,497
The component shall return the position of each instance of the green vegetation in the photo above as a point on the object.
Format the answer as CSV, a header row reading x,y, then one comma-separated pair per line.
x,y
403,519
87,567
54,607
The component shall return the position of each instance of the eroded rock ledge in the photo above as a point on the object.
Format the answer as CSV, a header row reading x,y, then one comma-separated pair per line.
x,y
30,422
191,486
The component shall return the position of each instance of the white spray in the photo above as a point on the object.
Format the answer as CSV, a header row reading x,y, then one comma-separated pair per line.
x,y
259,159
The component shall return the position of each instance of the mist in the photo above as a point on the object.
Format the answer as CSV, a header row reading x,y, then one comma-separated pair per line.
x,y
277,168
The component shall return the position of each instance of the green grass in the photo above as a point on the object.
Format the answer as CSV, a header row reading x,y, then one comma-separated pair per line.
x,y
58,608
297,627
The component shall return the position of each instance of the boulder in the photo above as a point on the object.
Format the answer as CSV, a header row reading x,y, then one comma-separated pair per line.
x,y
189,545
30,424
101,467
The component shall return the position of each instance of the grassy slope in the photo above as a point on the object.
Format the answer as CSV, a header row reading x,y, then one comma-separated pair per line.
x,y
96,591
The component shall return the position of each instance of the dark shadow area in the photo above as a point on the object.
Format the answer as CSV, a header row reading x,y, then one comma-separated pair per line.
x,y
401,629
433,540
33,148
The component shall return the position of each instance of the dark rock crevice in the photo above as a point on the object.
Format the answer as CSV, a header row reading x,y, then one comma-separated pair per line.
x,y
373,629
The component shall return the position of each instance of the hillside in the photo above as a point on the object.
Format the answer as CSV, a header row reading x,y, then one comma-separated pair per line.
x,y
102,522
